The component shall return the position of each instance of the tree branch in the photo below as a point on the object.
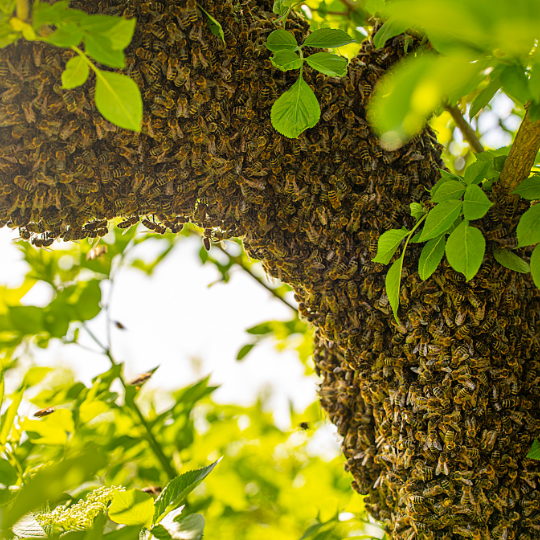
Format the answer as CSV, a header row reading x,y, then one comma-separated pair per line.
x,y
522,155
462,124
239,261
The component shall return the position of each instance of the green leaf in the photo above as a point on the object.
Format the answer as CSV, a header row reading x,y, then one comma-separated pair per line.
x,y
431,256
515,83
9,416
244,351
132,507
125,533
118,99
69,35
329,64
8,475
510,260
404,99
286,60
35,375
117,30
534,111
44,13
475,203
281,40
393,283
534,452
296,110
178,489
28,527
279,8
261,329
449,190
51,481
465,249
328,38
528,229
76,72
417,210
535,266
190,527
100,49
440,219
85,298
214,25
27,319
388,244
476,172
529,189
484,97
391,28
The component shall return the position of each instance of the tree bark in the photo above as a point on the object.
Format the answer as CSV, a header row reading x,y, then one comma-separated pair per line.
x,y
437,413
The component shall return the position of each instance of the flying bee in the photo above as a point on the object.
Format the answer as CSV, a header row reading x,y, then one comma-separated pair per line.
x,y
141,379
96,252
44,412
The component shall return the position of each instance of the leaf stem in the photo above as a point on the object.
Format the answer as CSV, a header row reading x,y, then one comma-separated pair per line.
x,y
522,156
240,262
23,10
165,463
466,129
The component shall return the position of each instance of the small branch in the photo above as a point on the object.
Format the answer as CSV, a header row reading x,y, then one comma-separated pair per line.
x,y
239,261
171,473
522,155
23,10
466,129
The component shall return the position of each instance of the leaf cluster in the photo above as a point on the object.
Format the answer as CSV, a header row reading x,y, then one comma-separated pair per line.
x,y
104,37
455,202
490,44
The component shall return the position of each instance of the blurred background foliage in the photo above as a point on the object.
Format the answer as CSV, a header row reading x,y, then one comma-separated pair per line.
x,y
269,485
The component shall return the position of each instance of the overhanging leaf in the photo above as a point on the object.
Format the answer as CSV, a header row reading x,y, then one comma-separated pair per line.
x,y
132,507
178,489
529,189
329,64
76,73
393,284
528,228
391,28
328,38
448,190
475,203
431,256
465,249
510,260
296,110
281,40
118,99
440,219
388,244
100,48
286,60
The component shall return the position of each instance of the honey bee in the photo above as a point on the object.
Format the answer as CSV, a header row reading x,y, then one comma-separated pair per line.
x,y
44,412
96,252
141,379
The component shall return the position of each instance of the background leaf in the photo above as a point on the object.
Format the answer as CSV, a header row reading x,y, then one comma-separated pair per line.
x,y
535,265
132,507
529,188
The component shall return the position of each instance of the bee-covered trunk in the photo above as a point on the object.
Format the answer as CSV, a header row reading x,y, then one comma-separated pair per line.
x,y
437,412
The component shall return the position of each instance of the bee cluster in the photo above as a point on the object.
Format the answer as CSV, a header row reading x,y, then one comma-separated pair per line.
x,y
437,411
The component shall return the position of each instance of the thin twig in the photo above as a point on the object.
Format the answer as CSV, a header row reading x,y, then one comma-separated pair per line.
x,y
522,156
240,262
149,435
466,129
23,10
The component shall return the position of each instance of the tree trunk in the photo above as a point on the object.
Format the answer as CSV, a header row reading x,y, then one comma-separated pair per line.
x,y
437,413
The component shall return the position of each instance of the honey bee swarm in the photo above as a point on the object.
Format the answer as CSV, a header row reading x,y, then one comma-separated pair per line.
x,y
437,413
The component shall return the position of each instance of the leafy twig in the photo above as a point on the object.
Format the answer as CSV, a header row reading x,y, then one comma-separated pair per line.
x,y
240,262
463,125
149,435
522,155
